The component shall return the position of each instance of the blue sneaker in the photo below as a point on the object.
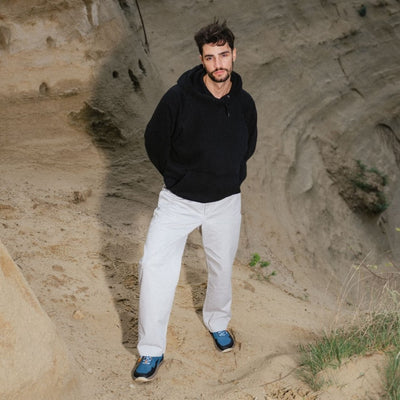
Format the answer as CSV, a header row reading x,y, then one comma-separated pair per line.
x,y
146,368
223,340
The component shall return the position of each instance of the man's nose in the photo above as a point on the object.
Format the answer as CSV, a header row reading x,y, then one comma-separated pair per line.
x,y
218,63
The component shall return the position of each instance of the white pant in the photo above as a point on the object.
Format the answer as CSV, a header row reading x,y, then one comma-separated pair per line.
x,y
159,269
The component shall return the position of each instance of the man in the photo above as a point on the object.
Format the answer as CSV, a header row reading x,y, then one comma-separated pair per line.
x,y
199,138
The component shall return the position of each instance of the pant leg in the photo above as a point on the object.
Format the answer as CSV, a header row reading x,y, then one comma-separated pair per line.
x,y
160,266
220,231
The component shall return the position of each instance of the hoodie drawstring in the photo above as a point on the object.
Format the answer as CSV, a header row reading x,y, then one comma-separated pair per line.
x,y
226,104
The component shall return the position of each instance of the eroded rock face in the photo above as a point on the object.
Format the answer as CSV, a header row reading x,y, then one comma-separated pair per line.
x,y
34,362
325,78
66,47
59,49
333,103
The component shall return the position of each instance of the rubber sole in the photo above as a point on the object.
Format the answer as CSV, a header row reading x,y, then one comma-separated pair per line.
x,y
226,350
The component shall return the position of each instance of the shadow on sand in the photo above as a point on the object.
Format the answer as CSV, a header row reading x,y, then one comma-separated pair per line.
x,y
125,94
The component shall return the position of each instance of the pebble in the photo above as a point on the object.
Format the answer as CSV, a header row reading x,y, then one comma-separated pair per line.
x,y
78,314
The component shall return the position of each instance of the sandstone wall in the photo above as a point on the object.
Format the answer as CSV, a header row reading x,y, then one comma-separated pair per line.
x,y
62,48
34,362
329,99
97,51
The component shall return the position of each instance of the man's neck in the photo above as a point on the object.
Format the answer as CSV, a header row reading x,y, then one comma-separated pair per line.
x,y
217,89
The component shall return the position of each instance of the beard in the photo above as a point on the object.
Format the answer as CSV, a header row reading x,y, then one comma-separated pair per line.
x,y
219,79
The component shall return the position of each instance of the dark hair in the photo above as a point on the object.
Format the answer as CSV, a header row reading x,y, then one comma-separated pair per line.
x,y
216,33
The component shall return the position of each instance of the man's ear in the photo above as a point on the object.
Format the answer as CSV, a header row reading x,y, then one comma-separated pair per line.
x,y
201,58
234,54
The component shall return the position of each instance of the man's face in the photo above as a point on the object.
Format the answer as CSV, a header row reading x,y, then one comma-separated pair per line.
x,y
218,61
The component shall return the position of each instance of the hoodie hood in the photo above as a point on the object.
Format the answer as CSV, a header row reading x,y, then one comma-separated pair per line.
x,y
192,81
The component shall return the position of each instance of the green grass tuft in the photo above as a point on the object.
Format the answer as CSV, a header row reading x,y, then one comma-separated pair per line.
x,y
379,332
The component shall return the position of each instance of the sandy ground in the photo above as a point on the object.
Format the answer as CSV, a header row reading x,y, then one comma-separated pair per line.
x,y
74,216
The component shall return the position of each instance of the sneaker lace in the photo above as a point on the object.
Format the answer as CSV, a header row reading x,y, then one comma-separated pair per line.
x,y
146,360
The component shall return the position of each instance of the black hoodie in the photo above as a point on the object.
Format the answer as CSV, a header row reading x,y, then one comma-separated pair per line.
x,y
200,144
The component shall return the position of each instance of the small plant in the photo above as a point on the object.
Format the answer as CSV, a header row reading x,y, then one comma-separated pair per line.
x,y
255,259
264,264
260,266
370,182
361,179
